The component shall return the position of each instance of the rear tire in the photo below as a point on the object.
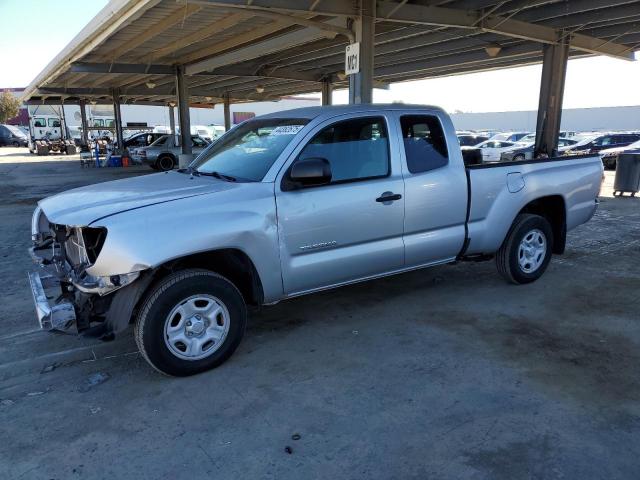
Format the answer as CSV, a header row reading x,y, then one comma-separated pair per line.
x,y
191,321
165,163
526,251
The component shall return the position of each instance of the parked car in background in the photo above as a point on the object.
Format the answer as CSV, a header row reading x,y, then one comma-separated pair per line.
x,y
491,149
289,204
142,139
163,154
509,136
12,136
203,131
525,152
602,142
610,155
471,140
219,130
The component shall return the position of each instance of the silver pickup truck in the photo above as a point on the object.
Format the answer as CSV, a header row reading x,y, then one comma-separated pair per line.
x,y
288,204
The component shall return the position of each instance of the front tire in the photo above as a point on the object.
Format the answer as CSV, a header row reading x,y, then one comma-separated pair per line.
x,y
526,251
191,321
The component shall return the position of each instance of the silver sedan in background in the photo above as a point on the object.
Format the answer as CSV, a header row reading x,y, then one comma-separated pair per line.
x,y
164,152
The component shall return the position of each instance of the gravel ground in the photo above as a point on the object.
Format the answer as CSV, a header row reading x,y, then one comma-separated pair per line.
x,y
442,373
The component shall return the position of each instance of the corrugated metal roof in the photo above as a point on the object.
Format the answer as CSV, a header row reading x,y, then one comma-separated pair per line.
x,y
266,44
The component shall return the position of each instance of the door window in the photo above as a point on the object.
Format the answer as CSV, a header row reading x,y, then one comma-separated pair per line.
x,y
424,144
357,149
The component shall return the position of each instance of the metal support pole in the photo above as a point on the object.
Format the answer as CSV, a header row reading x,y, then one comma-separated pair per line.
x,y
183,116
172,120
361,83
118,119
83,117
327,91
227,113
554,72
63,123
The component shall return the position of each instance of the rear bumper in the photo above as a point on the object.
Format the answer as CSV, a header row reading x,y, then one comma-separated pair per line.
x,y
60,316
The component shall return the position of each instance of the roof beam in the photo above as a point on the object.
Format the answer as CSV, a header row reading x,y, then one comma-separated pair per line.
x,y
230,43
269,72
149,69
205,32
333,8
157,28
259,49
509,27
455,60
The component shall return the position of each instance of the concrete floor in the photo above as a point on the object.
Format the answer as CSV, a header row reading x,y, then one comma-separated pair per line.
x,y
443,373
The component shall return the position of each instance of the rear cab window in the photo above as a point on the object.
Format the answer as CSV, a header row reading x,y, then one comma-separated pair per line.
x,y
54,122
39,122
424,143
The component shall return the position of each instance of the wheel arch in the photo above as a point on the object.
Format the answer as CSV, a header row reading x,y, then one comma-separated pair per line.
x,y
232,263
554,209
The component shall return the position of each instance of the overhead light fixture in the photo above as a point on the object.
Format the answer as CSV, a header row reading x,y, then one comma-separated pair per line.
x,y
208,99
150,85
172,104
493,50
341,76
259,89
92,102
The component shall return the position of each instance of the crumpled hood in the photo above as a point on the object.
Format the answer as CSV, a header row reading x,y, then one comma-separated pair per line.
x,y
84,205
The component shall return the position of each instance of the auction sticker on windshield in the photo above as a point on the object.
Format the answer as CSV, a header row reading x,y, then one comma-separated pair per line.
x,y
286,130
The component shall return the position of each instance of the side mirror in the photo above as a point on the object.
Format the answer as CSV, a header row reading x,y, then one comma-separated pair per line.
x,y
310,172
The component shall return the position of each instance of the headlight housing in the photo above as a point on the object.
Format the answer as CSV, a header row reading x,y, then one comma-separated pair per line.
x,y
93,239
104,285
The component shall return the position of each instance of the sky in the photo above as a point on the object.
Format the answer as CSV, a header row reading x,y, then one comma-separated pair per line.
x,y
33,32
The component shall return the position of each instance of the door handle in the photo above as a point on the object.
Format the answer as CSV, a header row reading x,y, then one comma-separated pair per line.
x,y
388,197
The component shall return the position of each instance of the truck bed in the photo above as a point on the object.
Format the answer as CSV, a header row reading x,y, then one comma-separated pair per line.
x,y
498,191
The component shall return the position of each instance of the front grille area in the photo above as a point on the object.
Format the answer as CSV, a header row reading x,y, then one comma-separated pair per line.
x,y
74,250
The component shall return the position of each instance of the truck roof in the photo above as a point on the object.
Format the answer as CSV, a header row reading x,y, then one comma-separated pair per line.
x,y
330,110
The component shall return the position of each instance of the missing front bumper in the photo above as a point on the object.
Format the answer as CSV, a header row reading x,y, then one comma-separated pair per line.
x,y
60,316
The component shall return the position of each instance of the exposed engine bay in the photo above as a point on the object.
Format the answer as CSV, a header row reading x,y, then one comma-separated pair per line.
x,y
64,254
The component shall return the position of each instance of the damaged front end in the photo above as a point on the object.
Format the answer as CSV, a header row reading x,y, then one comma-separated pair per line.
x,y
64,254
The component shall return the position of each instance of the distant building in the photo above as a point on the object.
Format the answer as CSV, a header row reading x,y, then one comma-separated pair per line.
x,y
573,119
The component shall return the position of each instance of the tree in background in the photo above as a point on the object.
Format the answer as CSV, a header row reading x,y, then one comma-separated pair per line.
x,y
9,106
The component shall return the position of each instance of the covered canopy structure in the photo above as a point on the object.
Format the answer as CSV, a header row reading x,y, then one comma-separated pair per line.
x,y
203,52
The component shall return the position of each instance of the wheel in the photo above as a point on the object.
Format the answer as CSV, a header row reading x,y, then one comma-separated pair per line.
x,y
526,251
518,158
190,322
16,144
165,162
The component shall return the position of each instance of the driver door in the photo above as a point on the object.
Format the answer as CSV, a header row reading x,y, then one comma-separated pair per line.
x,y
344,230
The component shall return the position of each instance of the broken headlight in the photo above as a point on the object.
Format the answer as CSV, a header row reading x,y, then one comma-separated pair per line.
x,y
104,285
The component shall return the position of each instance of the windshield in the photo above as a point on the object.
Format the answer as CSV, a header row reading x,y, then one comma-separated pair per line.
x,y
16,131
248,151
160,141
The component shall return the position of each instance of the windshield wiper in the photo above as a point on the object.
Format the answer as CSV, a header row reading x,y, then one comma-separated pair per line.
x,y
218,175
